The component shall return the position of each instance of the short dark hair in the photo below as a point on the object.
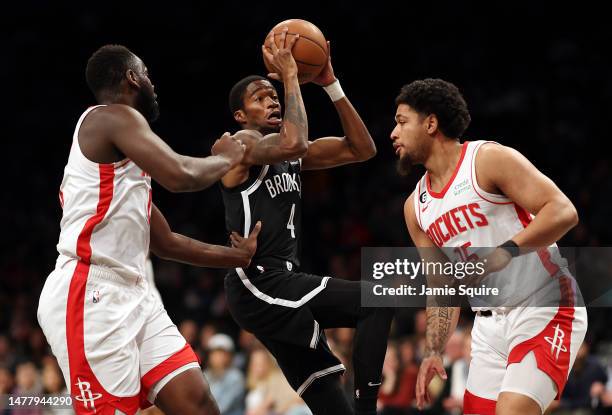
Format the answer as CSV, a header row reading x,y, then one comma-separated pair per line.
x,y
436,96
107,66
236,95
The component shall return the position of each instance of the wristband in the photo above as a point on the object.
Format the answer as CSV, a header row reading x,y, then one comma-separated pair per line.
x,y
511,247
334,90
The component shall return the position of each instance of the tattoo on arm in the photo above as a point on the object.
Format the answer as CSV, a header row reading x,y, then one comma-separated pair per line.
x,y
439,323
295,114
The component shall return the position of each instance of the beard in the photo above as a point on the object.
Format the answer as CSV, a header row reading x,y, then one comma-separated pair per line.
x,y
404,166
147,105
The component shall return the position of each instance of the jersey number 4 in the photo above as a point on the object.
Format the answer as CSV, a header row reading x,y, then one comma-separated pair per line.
x,y
290,224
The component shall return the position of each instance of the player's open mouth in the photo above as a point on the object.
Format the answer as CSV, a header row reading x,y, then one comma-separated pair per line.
x,y
275,118
397,148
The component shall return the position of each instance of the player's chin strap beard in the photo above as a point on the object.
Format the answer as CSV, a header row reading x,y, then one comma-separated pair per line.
x,y
404,166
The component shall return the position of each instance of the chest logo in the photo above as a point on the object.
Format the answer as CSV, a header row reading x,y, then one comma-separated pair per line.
x,y
462,187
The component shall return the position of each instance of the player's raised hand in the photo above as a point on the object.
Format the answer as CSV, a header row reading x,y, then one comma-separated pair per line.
x,y
248,244
326,77
280,57
230,147
430,366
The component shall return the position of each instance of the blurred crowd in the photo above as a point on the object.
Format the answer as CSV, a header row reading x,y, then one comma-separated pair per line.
x,y
245,379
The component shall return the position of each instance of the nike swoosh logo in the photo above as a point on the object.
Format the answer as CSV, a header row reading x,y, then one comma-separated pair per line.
x,y
374,384
425,208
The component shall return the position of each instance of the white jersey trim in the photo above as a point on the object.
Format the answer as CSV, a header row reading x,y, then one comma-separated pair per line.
x,y
319,374
245,198
486,196
75,140
280,301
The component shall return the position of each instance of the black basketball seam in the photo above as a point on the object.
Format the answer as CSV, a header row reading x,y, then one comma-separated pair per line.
x,y
306,63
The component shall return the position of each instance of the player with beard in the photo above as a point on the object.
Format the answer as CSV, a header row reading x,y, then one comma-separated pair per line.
x,y
116,345
481,201
285,308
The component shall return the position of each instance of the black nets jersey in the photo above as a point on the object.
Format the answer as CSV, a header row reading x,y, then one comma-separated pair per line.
x,y
272,195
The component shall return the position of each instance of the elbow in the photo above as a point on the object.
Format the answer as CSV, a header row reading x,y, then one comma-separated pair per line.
x,y
296,151
162,250
365,152
572,218
371,152
180,180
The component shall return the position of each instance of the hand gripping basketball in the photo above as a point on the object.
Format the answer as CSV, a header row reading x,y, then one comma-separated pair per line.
x,y
279,58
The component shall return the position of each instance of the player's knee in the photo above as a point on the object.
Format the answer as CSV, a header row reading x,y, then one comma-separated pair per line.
x,y
510,403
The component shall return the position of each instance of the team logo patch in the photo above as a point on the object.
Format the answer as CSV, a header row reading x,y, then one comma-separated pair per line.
x,y
423,197
86,396
556,342
96,296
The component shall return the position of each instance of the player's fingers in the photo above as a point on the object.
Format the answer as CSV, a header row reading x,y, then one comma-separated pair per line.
x,y
256,230
267,54
283,38
419,391
292,41
440,371
272,43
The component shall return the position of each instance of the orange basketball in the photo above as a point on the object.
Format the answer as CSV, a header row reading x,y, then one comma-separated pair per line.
x,y
310,50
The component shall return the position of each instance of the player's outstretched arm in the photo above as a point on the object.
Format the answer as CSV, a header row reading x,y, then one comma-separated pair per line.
x,y
180,248
292,141
503,170
442,315
356,145
130,133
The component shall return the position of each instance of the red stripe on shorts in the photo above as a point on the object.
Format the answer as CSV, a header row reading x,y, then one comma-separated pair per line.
x,y
88,396
179,359
473,404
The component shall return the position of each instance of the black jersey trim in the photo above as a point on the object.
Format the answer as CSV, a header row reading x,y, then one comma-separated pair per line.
x,y
280,301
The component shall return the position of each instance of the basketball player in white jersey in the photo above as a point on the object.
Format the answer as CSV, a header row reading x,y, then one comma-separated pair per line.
x,y
116,345
482,194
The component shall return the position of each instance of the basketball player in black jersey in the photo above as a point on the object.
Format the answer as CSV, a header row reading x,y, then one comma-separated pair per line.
x,y
287,309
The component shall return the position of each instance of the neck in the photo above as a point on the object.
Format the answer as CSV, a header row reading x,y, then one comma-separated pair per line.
x,y
442,160
111,98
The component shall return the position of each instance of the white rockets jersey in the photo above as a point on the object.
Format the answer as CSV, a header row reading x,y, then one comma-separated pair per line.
x,y
462,219
106,213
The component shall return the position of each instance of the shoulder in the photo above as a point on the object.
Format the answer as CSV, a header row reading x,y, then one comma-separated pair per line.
x,y
496,160
114,116
409,205
491,152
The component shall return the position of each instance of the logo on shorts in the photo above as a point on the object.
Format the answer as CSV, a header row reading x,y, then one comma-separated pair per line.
x,y
556,343
96,296
86,396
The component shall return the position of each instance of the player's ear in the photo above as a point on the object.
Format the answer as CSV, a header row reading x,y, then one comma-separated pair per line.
x,y
431,123
132,78
240,116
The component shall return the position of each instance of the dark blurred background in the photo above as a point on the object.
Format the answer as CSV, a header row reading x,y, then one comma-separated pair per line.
x,y
535,76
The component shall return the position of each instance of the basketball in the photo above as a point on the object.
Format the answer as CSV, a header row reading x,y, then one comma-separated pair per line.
x,y
310,50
